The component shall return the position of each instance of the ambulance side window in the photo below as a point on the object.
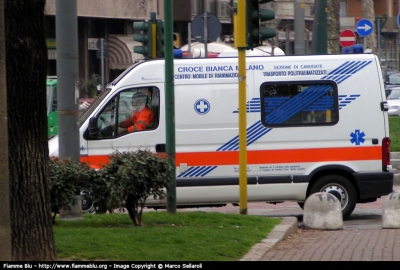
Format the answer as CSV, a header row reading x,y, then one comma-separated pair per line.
x,y
121,108
299,103
126,109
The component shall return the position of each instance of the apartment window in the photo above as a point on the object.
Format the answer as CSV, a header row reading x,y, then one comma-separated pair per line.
x,y
343,9
286,104
220,8
209,6
224,9
195,7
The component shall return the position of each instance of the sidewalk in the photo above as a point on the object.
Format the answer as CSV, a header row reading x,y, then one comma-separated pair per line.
x,y
291,241
340,245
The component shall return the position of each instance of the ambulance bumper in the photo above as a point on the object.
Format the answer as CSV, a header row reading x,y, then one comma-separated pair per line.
x,y
374,185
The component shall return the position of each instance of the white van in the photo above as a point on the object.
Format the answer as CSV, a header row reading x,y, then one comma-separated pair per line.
x,y
314,123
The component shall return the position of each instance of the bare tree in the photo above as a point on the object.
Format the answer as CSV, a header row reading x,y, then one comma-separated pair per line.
x,y
333,26
369,14
26,62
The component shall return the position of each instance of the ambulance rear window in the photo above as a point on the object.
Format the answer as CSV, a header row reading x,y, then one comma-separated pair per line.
x,y
299,103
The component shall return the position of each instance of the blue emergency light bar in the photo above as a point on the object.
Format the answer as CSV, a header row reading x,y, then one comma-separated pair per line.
x,y
178,53
356,48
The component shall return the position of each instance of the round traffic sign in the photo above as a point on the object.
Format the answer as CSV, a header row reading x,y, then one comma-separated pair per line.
x,y
364,27
347,38
213,27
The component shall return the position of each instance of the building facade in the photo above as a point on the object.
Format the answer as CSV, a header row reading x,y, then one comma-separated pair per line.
x,y
112,21
386,24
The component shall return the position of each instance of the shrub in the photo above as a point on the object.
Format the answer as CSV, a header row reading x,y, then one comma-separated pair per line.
x,y
129,179
67,179
98,191
136,175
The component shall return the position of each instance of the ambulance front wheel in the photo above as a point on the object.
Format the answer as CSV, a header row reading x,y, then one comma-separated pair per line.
x,y
341,188
87,203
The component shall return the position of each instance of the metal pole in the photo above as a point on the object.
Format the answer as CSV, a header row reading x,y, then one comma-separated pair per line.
x,y
287,41
170,102
67,77
319,43
189,41
299,26
241,37
379,40
102,63
235,25
205,16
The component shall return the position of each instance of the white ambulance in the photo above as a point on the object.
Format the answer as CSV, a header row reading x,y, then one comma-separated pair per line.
x,y
314,123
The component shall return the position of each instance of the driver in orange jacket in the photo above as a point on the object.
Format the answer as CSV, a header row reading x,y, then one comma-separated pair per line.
x,y
141,117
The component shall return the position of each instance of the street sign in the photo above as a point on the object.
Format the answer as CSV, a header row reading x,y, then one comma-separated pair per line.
x,y
347,38
206,22
364,27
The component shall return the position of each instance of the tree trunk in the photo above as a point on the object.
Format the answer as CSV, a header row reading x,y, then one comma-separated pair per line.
x,y
369,14
132,207
5,223
333,26
26,65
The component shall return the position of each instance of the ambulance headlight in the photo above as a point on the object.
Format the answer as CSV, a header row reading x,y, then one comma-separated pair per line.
x,y
53,146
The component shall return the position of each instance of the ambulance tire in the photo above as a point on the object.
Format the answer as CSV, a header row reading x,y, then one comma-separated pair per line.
x,y
341,188
87,204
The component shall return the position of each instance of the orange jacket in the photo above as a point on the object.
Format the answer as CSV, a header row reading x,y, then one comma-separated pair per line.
x,y
138,121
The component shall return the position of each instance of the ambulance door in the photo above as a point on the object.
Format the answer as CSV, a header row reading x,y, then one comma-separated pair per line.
x,y
207,139
106,136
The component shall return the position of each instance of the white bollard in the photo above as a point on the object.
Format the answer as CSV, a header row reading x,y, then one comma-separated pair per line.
x,y
73,211
323,211
391,211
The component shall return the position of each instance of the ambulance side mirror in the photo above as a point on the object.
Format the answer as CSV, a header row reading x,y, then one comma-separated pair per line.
x,y
384,106
160,148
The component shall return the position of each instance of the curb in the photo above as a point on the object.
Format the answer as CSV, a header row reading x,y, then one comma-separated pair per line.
x,y
395,162
287,227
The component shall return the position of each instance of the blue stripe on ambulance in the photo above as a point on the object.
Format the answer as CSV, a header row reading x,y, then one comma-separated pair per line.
x,y
254,132
344,100
252,106
197,171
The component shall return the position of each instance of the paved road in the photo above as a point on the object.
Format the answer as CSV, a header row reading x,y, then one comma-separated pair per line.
x,y
362,237
368,215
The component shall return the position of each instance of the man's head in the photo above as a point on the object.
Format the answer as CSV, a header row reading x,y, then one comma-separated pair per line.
x,y
139,100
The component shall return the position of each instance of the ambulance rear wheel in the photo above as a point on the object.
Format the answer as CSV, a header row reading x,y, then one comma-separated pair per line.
x,y
341,188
